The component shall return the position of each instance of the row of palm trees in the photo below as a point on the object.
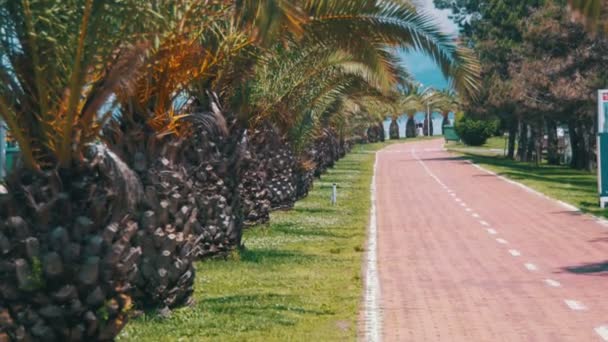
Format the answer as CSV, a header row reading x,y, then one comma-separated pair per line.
x,y
416,99
151,131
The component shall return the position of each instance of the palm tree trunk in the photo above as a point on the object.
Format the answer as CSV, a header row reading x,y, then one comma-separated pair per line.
x,y
77,228
394,129
428,126
410,127
381,134
446,120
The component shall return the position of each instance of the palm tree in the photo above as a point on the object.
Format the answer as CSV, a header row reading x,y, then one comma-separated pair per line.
x,y
180,148
188,80
448,102
410,102
431,99
318,43
71,200
296,90
393,128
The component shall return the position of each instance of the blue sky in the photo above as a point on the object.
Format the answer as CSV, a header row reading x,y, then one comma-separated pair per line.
x,y
420,66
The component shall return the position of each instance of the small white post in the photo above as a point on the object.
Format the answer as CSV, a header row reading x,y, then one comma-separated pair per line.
x,y
334,194
2,150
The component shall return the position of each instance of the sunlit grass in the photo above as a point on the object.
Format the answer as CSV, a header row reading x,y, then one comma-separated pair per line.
x,y
298,279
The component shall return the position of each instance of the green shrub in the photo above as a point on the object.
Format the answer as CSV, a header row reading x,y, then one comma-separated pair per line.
x,y
474,132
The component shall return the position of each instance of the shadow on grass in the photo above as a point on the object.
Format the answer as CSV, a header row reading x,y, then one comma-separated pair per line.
x,y
312,210
292,229
597,268
273,256
559,175
568,184
268,304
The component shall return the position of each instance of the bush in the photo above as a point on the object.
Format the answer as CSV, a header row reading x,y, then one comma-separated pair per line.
x,y
474,132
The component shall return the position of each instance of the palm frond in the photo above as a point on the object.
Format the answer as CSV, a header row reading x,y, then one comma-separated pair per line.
x,y
54,55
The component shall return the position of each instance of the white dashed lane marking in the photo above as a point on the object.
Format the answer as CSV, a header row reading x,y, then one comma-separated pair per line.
x,y
575,305
602,331
514,252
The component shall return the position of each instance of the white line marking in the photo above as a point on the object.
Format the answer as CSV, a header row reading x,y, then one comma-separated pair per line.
x,y
484,223
568,206
475,215
457,199
492,231
503,241
469,209
602,330
462,204
453,194
553,283
531,267
514,252
373,319
575,305
526,188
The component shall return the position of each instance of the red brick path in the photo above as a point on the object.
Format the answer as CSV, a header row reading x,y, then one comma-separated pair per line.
x,y
445,277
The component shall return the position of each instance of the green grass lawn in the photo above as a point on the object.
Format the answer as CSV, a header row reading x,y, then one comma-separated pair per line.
x,y
299,278
493,143
575,187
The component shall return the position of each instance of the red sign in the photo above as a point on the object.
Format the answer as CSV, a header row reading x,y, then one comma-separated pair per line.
x,y
605,96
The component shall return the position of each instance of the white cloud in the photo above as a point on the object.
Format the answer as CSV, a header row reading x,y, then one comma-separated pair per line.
x,y
441,16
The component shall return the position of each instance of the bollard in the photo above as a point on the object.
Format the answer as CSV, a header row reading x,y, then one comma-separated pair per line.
x,y
334,194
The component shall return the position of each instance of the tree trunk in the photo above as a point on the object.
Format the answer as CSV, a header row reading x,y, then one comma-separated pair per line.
x,y
592,148
68,251
589,137
531,147
538,144
512,139
580,150
522,148
371,134
427,126
552,143
410,127
446,120
394,129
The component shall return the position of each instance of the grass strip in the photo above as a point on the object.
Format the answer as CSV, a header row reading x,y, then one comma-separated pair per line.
x,y
298,279
575,187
